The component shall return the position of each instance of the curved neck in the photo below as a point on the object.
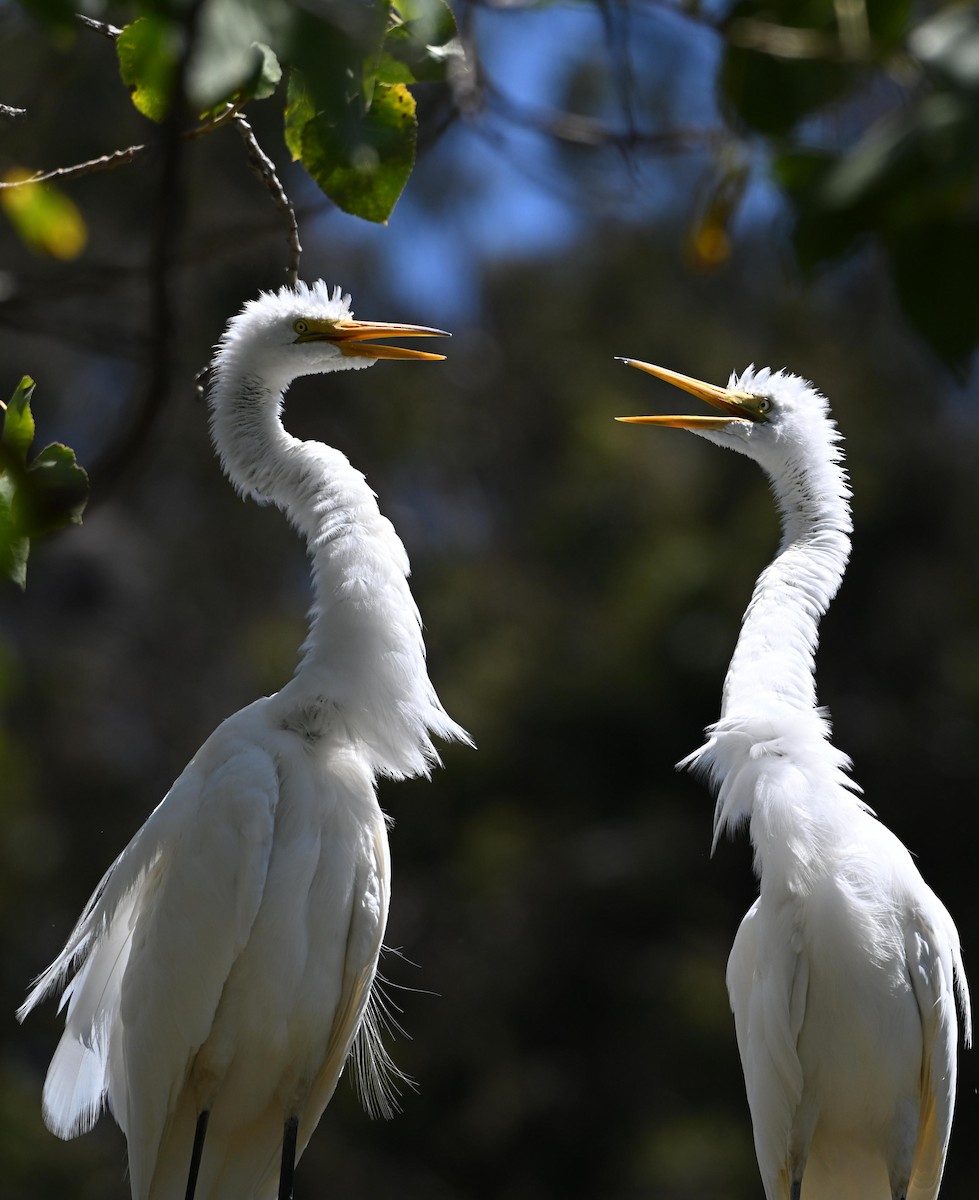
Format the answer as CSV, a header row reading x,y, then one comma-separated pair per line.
x,y
256,452
774,656
362,670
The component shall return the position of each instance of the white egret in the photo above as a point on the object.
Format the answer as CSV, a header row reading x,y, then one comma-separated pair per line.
x,y
223,968
844,973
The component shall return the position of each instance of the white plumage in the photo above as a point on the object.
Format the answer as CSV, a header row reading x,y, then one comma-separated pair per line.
x,y
226,961
844,973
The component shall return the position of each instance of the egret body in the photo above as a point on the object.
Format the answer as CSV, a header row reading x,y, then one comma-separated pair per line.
x,y
844,973
223,969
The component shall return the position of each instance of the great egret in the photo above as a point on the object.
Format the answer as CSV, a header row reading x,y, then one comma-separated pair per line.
x,y
844,972
224,966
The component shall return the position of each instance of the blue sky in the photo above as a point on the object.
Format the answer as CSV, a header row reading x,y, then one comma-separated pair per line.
x,y
517,198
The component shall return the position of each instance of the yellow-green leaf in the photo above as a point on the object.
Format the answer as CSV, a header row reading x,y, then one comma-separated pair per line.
x,y
148,52
14,548
361,158
18,422
300,110
37,498
45,218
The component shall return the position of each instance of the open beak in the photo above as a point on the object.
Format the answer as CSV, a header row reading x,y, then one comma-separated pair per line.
x,y
355,339
736,406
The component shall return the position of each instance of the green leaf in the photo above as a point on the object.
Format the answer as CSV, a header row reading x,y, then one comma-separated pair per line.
x,y
349,137
300,110
269,75
14,548
337,51
360,157
46,220
252,74
233,58
54,492
18,421
35,499
236,54
148,51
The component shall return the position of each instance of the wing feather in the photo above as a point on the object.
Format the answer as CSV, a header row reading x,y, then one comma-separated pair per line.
x,y
194,919
768,998
933,960
354,1017
367,923
75,1087
77,1079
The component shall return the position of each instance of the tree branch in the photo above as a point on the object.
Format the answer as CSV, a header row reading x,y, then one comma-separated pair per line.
x,y
106,162
118,158
264,168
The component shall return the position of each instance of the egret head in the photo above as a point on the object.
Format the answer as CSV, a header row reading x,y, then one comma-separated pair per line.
x,y
301,330
775,418
307,330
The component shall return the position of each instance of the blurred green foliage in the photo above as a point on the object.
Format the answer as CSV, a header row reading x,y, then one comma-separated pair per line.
x,y
856,162
45,219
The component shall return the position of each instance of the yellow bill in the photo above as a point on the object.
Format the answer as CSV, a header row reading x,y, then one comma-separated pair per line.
x,y
736,406
355,339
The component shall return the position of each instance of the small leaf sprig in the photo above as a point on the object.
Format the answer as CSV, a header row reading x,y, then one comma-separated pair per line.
x,y
39,497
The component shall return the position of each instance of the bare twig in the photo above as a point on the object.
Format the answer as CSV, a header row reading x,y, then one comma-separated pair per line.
x,y
264,168
224,117
117,158
106,162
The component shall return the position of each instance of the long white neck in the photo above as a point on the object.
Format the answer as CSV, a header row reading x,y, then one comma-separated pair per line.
x,y
363,663
774,657
769,755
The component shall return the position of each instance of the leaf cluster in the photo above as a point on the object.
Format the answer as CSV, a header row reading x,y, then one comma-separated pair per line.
x,y
37,497
349,116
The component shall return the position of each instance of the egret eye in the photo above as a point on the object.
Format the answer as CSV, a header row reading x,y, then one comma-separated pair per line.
x,y
765,405
301,326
